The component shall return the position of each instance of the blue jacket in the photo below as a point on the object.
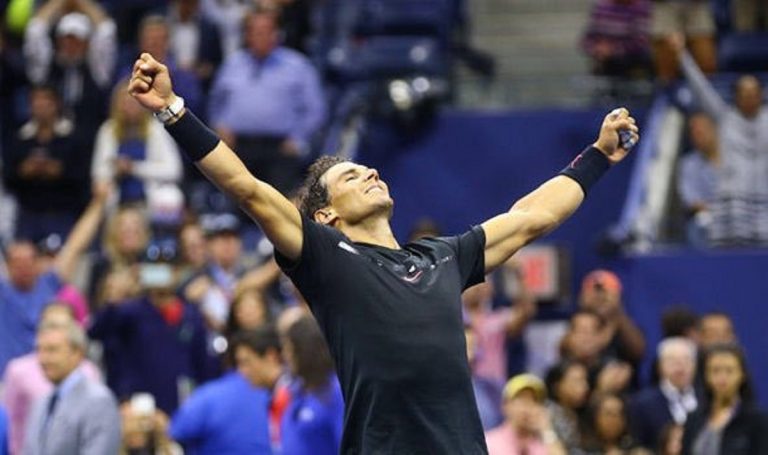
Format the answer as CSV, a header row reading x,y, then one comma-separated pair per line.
x,y
312,424
227,416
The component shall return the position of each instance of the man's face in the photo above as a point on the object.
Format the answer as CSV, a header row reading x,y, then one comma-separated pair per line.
x,y
153,38
356,192
57,357
716,329
702,132
677,365
71,48
523,411
23,268
225,249
261,34
602,300
193,246
43,106
259,370
584,338
749,96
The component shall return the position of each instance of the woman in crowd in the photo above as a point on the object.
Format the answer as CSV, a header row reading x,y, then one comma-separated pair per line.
x,y
134,151
728,423
608,428
569,388
312,423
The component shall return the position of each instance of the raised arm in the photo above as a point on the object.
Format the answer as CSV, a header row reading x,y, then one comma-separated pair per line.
x,y
710,100
276,215
542,210
82,234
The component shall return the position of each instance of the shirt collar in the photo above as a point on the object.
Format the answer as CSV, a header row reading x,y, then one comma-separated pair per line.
x,y
69,382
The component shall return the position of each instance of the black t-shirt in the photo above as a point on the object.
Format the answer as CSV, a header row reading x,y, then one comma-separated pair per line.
x,y
393,322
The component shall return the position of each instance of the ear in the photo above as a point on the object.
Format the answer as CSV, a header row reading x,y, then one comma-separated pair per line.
x,y
326,216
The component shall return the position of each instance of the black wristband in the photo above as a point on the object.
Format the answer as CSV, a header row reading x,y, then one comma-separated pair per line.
x,y
587,168
194,138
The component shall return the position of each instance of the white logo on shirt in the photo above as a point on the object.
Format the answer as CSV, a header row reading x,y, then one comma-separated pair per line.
x,y
346,246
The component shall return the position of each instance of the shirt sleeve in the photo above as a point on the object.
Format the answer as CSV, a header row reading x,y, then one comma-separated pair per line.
x,y
102,50
470,254
310,272
38,50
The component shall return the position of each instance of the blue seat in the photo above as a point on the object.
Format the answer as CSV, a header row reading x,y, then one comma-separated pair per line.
x,y
405,17
744,52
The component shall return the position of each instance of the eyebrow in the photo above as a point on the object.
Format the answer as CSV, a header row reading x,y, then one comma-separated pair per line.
x,y
349,171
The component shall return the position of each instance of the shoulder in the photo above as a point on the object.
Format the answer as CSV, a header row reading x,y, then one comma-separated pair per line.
x,y
235,61
293,57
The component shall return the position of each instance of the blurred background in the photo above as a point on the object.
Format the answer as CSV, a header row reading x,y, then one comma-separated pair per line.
x,y
463,106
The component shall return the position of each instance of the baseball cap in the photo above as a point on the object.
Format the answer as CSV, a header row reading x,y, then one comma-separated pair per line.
x,y
602,278
76,24
219,224
525,381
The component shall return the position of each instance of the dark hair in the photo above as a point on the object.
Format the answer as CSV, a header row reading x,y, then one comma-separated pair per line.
x,y
259,340
233,326
46,87
677,320
556,374
746,391
311,357
601,322
592,436
313,194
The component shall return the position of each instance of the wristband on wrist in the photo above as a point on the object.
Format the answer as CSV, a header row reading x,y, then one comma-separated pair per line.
x,y
194,138
587,168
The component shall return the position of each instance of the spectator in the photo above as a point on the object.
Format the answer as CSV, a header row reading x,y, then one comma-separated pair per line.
x,y
585,342
312,423
195,40
82,61
155,38
79,416
617,38
601,292
492,327
158,342
24,382
487,392
145,429
527,426
214,288
28,288
569,391
728,422
249,311
697,177
652,409
715,328
609,427
69,294
134,151
125,239
193,249
741,199
45,169
230,414
695,20
274,134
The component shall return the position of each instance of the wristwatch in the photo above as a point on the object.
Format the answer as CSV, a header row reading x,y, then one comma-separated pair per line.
x,y
171,111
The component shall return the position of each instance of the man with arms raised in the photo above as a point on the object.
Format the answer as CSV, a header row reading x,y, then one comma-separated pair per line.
x,y
391,314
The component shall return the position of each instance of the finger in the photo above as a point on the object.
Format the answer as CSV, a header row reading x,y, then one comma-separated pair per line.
x,y
142,77
139,86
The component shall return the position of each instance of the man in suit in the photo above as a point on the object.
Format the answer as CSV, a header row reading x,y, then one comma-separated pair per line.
x,y
80,417
672,399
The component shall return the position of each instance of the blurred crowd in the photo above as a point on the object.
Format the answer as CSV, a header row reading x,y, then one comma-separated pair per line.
x,y
721,180
141,314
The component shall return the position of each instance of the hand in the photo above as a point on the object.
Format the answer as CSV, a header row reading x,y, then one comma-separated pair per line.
x,y
676,42
197,289
52,169
614,377
31,167
123,167
101,190
290,148
151,84
608,141
227,136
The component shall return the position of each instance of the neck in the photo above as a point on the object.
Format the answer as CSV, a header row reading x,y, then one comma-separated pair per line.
x,y
712,154
724,402
375,231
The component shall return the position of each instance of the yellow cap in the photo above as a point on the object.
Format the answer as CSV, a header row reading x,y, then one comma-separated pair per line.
x,y
525,382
